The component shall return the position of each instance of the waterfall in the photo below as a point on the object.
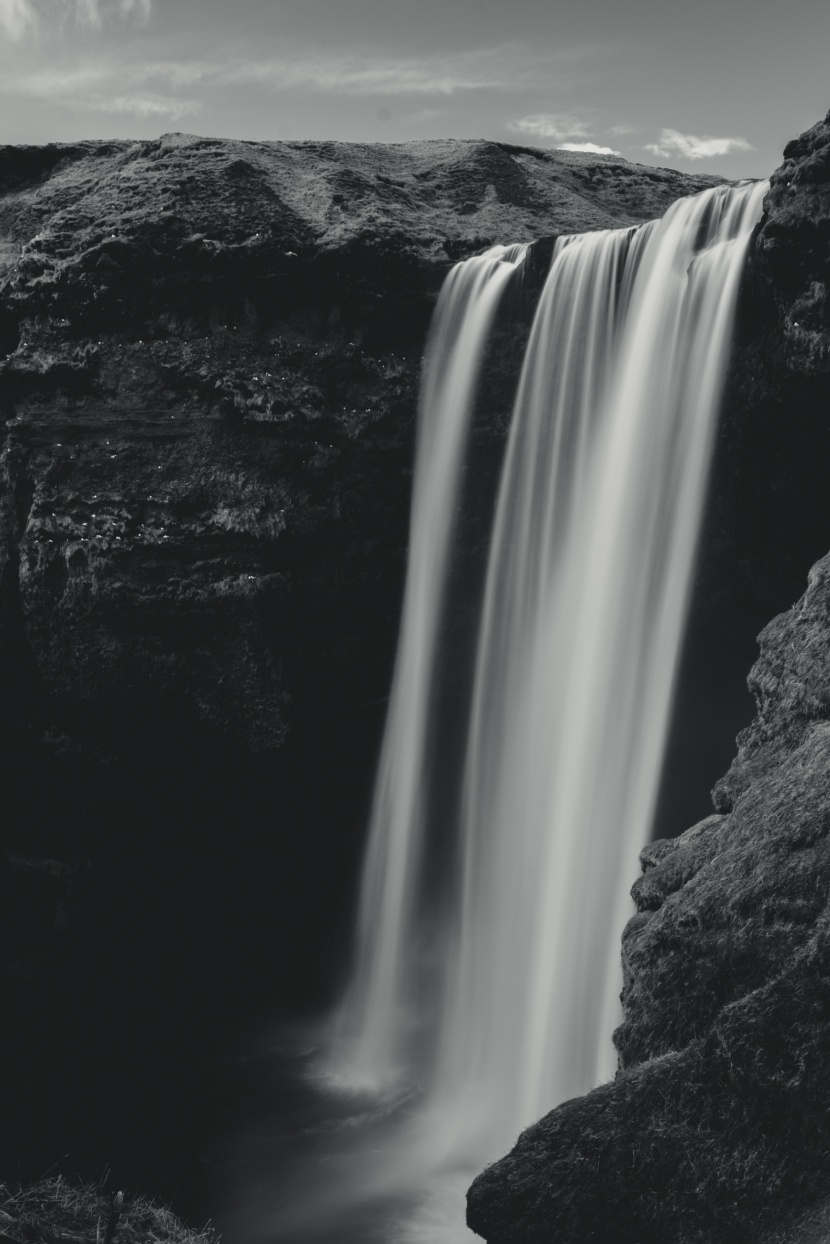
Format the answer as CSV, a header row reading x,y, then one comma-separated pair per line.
x,y
588,582
373,1019
584,601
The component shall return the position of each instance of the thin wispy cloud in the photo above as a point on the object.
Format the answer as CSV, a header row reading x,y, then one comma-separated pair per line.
x,y
93,12
673,144
353,76
116,83
508,68
101,87
143,106
589,148
555,126
423,116
16,18
151,89
21,17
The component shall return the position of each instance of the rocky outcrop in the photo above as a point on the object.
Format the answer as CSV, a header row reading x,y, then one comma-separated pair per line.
x,y
716,1130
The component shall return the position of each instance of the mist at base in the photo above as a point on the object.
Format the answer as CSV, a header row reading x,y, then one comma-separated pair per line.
x,y
320,1165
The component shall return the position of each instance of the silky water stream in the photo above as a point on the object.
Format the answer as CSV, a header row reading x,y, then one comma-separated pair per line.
x,y
473,1011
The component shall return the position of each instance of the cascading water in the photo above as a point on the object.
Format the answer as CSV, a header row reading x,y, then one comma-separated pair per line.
x,y
584,602
373,1018
504,821
588,581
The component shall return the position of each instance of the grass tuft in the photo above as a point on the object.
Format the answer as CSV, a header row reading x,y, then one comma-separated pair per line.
x,y
61,1211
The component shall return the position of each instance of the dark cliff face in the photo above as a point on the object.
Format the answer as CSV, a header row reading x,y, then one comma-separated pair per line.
x,y
209,393
209,359
717,1128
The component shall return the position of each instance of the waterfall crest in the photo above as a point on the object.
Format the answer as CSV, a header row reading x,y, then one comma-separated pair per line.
x,y
585,597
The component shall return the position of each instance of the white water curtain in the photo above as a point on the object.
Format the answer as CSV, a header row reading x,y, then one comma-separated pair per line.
x,y
586,593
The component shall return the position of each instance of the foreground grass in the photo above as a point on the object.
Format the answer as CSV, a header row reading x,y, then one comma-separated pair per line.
x,y
55,1211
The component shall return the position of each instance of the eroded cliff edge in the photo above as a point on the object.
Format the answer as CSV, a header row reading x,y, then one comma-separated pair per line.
x,y
717,1127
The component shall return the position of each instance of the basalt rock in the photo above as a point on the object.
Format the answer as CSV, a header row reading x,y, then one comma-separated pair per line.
x,y
716,1129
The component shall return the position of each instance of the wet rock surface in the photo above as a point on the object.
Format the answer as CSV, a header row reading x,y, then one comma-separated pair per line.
x,y
717,1127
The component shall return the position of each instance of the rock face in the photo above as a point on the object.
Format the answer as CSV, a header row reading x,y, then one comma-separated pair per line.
x,y
212,356
209,359
716,1130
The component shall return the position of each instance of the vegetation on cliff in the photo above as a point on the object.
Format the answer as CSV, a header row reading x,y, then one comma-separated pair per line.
x,y
57,1211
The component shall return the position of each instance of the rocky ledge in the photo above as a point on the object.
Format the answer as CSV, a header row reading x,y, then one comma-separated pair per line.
x,y
716,1129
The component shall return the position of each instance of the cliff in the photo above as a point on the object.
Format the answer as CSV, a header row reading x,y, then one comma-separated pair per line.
x,y
211,361
716,1130
209,358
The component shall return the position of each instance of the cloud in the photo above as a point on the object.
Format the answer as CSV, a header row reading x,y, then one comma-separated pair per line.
x,y
423,116
100,86
143,106
92,12
338,75
554,125
671,143
350,77
117,80
559,126
17,17
374,74
590,148
369,75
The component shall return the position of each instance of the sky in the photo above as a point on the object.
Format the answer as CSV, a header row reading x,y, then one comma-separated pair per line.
x,y
712,86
